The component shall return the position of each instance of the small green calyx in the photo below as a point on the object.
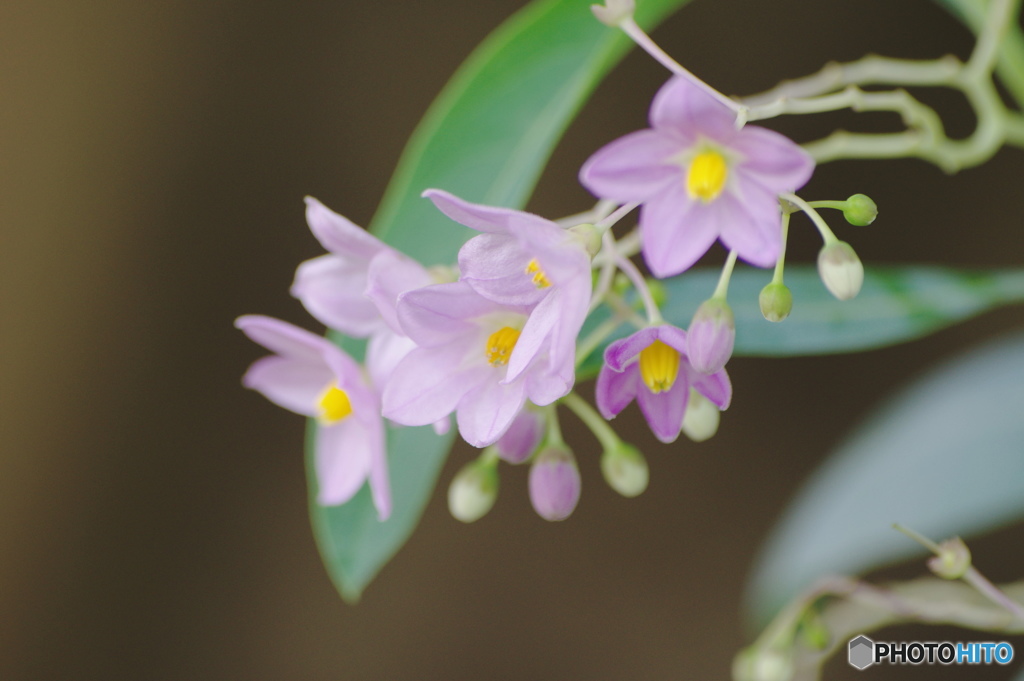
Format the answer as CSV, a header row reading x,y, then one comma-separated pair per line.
x,y
776,301
860,210
953,559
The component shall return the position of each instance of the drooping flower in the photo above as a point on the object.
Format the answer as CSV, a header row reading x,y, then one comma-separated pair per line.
x,y
554,483
522,259
337,288
700,178
466,348
711,336
311,376
651,366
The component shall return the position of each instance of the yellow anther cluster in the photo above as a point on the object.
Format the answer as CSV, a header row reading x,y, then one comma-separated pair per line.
x,y
659,366
706,177
540,280
334,405
500,345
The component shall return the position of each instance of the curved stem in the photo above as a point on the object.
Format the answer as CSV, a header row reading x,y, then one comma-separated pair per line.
x,y
604,433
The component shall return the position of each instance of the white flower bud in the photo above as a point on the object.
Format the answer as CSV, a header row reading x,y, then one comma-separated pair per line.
x,y
613,12
701,418
473,490
625,470
841,270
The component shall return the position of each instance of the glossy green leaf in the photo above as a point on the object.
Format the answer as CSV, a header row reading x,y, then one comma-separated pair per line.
x,y
896,304
486,138
944,457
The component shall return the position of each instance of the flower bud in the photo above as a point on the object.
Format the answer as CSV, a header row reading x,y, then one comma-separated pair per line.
x,y
860,210
554,483
613,12
473,490
953,561
522,437
840,269
776,301
760,664
589,236
701,418
711,335
625,470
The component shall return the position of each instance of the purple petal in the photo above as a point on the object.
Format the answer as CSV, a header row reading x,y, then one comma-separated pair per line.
x,y
437,314
342,461
634,167
775,161
283,338
338,234
380,485
478,216
544,387
554,484
383,353
716,387
615,389
331,289
486,412
295,384
672,336
688,111
532,339
389,275
664,411
619,353
676,231
495,266
751,223
428,384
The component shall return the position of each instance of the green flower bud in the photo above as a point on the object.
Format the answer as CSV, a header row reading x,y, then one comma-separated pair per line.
x,y
860,210
473,490
625,470
701,418
841,270
953,561
776,301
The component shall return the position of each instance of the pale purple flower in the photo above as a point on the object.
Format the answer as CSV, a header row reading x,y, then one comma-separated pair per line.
x,y
554,483
522,437
711,336
467,345
523,259
337,289
700,178
651,366
311,376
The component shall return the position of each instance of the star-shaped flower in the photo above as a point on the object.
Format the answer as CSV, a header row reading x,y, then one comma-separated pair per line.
x,y
700,178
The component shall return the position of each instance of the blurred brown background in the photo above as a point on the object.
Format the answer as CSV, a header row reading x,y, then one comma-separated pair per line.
x,y
153,524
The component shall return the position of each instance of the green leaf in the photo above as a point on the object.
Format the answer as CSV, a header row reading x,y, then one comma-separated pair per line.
x,y
895,305
943,458
486,138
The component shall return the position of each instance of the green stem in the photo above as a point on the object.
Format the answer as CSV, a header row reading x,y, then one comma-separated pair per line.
x,y
554,434
604,433
780,264
826,234
722,290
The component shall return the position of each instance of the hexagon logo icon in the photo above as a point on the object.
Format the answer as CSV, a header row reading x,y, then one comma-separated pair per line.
x,y
861,652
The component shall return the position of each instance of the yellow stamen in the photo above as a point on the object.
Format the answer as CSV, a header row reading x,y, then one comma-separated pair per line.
x,y
500,346
334,405
540,280
659,366
707,175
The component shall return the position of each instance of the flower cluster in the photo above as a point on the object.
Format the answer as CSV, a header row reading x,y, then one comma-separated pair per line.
x,y
496,340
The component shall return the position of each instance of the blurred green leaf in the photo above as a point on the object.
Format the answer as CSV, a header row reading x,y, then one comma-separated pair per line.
x,y
945,457
896,304
486,138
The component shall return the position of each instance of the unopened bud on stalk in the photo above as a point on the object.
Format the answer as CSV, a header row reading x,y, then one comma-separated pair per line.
x,y
522,437
613,12
701,418
953,561
840,269
473,490
776,301
860,210
711,335
625,470
554,483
